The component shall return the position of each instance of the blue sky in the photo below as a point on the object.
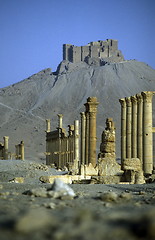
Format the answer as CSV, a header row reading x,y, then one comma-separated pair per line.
x,y
32,32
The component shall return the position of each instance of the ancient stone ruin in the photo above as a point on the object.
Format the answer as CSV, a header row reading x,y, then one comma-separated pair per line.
x,y
6,154
99,52
137,129
77,150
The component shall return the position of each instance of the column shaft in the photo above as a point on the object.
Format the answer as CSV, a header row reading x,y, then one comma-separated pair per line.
x,y
60,116
140,127
87,138
123,128
147,132
6,146
83,137
48,125
91,108
128,128
134,127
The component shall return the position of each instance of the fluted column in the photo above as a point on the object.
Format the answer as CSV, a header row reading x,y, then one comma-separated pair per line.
x,y
134,127
128,127
147,132
92,109
48,125
140,127
6,146
123,128
83,137
60,116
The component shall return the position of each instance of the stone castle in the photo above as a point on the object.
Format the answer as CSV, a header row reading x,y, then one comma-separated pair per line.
x,y
100,51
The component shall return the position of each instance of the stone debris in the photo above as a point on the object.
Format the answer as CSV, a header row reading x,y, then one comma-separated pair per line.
x,y
115,197
33,220
17,180
59,189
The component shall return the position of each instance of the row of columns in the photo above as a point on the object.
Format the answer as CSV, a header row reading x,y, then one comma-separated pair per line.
x,y
136,129
65,147
88,132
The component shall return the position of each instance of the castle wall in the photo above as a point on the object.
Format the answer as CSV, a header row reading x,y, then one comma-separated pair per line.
x,y
99,49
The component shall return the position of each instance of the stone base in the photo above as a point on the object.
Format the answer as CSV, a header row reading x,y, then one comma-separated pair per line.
x,y
108,167
105,180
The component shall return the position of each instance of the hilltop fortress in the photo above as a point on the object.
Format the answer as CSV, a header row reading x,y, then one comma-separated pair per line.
x,y
99,52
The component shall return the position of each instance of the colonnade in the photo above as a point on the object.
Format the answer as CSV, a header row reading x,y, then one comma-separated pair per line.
x,y
136,129
62,149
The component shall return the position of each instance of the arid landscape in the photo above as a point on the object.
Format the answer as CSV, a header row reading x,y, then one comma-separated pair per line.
x,y
35,210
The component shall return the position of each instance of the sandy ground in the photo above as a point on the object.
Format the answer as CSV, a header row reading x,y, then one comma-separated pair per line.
x,y
98,211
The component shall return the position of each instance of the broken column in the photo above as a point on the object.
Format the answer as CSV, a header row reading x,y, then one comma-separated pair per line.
x,y
128,127
48,125
140,127
60,116
147,132
6,146
123,128
83,137
107,165
91,108
134,127
21,150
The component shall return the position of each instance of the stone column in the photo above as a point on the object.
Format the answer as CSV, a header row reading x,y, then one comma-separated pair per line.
x,y
123,128
83,137
6,146
140,127
128,127
147,132
60,116
87,137
22,150
76,143
92,108
48,125
134,127
17,151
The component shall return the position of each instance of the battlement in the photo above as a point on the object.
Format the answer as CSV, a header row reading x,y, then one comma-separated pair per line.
x,y
101,50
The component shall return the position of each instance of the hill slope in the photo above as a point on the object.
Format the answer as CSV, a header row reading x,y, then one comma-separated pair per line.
x,y
25,106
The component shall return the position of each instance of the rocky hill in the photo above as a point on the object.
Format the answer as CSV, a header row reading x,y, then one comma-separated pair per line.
x,y
25,106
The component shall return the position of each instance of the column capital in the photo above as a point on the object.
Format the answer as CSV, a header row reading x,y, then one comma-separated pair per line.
x,y
6,138
128,101
139,97
60,115
82,115
147,96
134,99
122,102
91,105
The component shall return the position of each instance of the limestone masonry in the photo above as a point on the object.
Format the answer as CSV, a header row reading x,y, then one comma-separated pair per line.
x,y
100,51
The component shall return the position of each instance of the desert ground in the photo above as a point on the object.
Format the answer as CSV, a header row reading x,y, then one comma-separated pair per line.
x,y
30,210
